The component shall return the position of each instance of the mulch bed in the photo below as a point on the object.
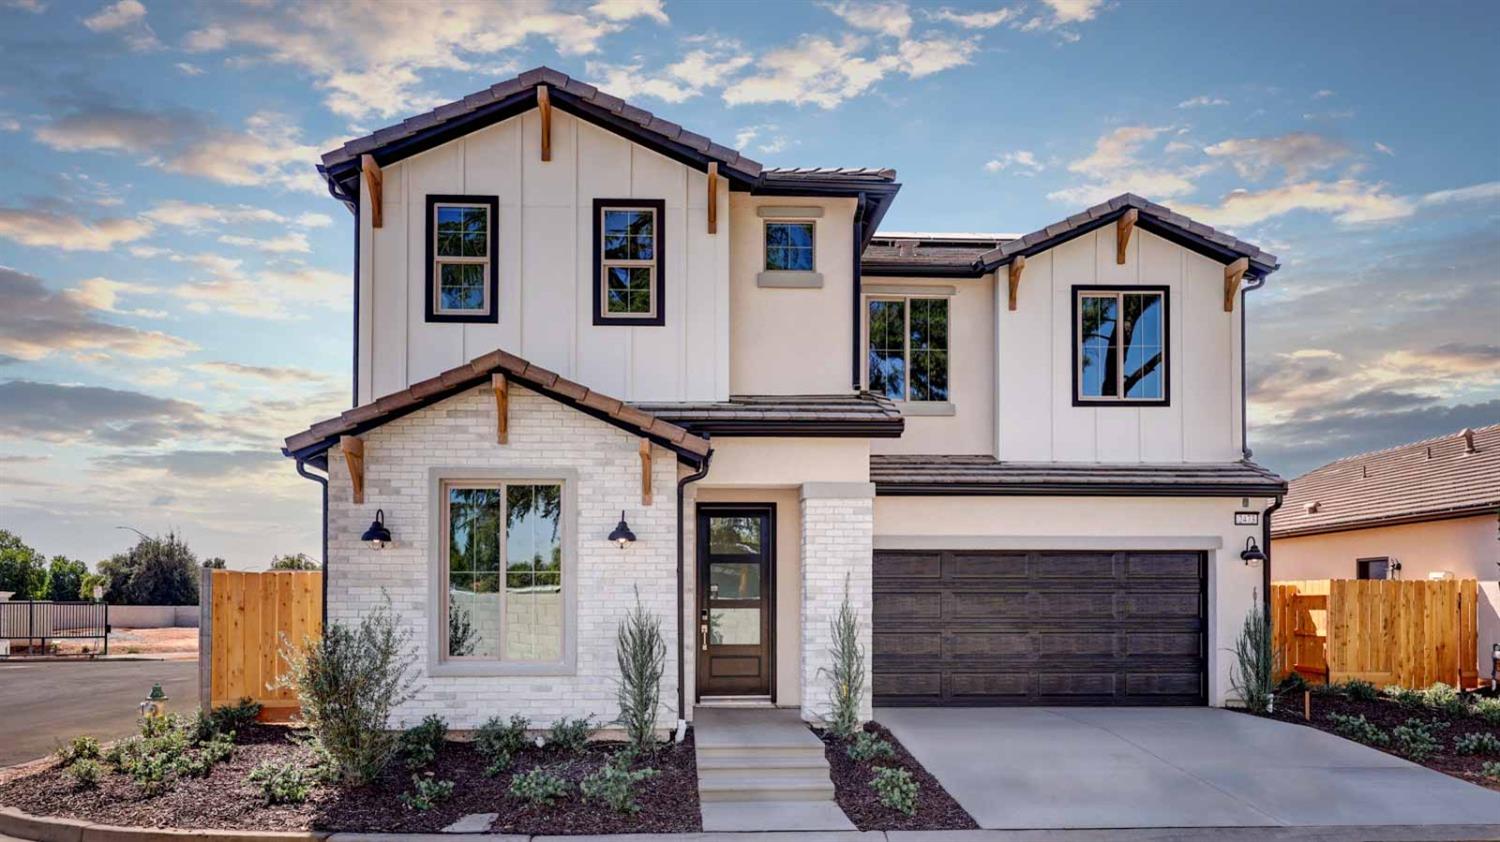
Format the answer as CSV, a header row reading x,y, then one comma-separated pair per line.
x,y
936,809
1388,714
225,800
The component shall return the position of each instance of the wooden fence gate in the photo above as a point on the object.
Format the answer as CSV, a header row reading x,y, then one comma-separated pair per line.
x,y
1411,633
244,616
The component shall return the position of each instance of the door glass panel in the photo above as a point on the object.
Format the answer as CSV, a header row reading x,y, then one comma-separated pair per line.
x,y
734,626
734,535
734,580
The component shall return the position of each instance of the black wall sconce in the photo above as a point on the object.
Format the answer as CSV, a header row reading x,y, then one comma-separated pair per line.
x,y
622,534
377,535
1251,554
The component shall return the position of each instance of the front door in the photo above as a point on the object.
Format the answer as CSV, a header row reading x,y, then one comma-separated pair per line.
x,y
735,570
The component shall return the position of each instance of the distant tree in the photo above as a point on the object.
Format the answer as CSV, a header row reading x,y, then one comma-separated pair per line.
x,y
300,561
156,571
87,584
65,578
215,563
22,569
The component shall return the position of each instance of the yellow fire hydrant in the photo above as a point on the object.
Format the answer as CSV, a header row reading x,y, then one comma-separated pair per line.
x,y
155,704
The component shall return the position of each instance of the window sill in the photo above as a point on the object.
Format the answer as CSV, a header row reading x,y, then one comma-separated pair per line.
x,y
927,408
496,669
774,279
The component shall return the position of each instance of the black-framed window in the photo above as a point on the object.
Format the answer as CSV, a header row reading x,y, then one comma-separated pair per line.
x,y
1372,568
906,348
462,279
1120,344
789,245
629,262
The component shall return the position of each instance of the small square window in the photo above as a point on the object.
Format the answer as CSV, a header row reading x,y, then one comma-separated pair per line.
x,y
789,247
461,276
628,261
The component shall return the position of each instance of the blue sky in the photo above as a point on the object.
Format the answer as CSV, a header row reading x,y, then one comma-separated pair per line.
x,y
174,292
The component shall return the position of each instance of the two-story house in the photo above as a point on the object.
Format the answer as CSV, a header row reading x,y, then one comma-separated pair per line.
x,y
599,357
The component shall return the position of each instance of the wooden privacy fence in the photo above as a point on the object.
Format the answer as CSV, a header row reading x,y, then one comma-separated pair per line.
x,y
1411,633
244,617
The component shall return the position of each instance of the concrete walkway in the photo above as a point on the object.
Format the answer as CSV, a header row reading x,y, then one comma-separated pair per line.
x,y
1039,768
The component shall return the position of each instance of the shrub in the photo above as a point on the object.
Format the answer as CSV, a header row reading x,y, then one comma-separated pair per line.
x,y
1444,699
538,786
495,738
571,734
847,677
1491,770
1359,729
641,653
1417,739
499,763
420,744
230,719
426,792
1402,696
1477,743
614,784
79,748
283,782
198,763
1254,663
1487,709
866,746
1359,690
123,754
155,771
1293,683
896,788
85,772
348,683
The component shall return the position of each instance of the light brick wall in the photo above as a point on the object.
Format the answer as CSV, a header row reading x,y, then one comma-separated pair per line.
x,y
836,547
459,432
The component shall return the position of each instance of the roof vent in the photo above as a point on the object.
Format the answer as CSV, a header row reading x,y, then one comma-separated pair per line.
x,y
1312,508
1468,435
1364,471
906,248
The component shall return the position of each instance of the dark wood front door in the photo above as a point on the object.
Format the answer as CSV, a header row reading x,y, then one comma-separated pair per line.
x,y
735,570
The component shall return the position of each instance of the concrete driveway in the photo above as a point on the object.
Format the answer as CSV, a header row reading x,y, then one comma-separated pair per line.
x,y
1017,768
44,704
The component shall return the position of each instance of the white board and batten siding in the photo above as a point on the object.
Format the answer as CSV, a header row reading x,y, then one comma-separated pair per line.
x,y
545,263
1036,420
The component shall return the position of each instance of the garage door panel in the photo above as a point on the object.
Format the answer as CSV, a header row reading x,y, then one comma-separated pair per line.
x,y
1010,628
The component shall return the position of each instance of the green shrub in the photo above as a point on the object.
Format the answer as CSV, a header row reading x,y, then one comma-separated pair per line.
x,y
85,772
426,792
571,734
538,786
282,782
1293,683
1444,699
614,784
499,763
123,754
348,682
155,772
1491,770
1417,739
495,738
199,761
1359,729
1477,743
1359,690
641,652
1487,709
420,744
896,788
866,746
1254,663
1402,696
231,719
847,676
79,748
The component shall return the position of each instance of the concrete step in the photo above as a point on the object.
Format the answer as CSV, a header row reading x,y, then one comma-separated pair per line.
x,y
804,787
783,752
758,760
773,815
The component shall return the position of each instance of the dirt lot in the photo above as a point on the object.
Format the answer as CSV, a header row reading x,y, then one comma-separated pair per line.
x,y
171,644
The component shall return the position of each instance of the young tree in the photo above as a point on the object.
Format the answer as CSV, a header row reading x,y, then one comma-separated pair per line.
x,y
215,563
87,584
156,571
65,579
22,569
300,561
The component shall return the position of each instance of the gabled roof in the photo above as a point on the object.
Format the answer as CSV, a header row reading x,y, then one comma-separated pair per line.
x,y
1426,480
862,414
985,475
313,443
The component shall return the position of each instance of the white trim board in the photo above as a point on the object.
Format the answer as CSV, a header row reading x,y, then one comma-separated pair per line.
x,y
1048,542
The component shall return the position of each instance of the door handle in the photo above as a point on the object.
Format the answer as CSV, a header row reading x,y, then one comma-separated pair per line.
x,y
703,633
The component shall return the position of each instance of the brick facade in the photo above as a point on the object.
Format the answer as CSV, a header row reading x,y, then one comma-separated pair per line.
x,y
837,524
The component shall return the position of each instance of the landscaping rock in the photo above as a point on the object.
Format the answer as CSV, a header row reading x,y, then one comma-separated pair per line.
x,y
473,823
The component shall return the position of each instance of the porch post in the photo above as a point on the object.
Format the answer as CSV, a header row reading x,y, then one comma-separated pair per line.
x,y
838,522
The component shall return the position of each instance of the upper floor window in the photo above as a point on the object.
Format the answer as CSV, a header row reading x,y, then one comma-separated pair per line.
x,y
628,261
1120,346
461,276
789,246
907,348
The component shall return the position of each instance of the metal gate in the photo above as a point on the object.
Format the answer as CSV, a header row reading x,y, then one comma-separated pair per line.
x,y
43,621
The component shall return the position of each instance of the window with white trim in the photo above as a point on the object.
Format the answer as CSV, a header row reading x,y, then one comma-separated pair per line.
x,y
461,276
628,261
906,346
1120,346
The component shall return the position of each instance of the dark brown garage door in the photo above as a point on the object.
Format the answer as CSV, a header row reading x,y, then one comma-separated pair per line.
x,y
968,627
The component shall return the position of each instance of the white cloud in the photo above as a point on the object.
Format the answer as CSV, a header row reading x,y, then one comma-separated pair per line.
x,y
771,141
630,81
1296,154
623,10
1383,149
1348,201
1489,191
314,220
127,17
104,294
1322,94
1115,166
1022,161
886,17
823,72
188,68
280,292
273,375
1074,11
294,241
1202,102
194,215
49,229
920,57
36,323
705,68
974,20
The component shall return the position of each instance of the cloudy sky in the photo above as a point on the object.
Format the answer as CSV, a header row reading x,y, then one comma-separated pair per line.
x,y
174,293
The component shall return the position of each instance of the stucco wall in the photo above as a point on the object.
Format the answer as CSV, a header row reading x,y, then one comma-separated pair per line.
x,y
457,436
545,262
1101,523
1468,548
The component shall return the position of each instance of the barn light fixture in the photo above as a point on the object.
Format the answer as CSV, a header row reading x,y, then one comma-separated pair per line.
x,y
377,535
1251,553
622,534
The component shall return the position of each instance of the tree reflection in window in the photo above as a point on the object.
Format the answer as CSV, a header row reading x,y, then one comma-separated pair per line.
x,y
1121,345
734,535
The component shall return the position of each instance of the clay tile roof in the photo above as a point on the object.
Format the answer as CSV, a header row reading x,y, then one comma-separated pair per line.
x,y
811,173
324,434
864,413
1425,480
940,474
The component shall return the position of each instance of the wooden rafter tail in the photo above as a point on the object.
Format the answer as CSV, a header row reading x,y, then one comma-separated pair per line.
x,y
1233,274
1017,266
501,384
713,197
544,104
373,186
1123,229
354,458
645,472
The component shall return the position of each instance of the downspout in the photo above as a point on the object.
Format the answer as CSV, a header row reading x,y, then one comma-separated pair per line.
x,y
355,403
323,481
681,555
1265,543
1244,379
857,310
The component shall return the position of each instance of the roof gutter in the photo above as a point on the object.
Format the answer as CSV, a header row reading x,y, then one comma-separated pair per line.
x,y
682,484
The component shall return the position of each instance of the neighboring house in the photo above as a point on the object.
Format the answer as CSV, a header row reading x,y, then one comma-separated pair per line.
x,y
1421,510
1023,457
